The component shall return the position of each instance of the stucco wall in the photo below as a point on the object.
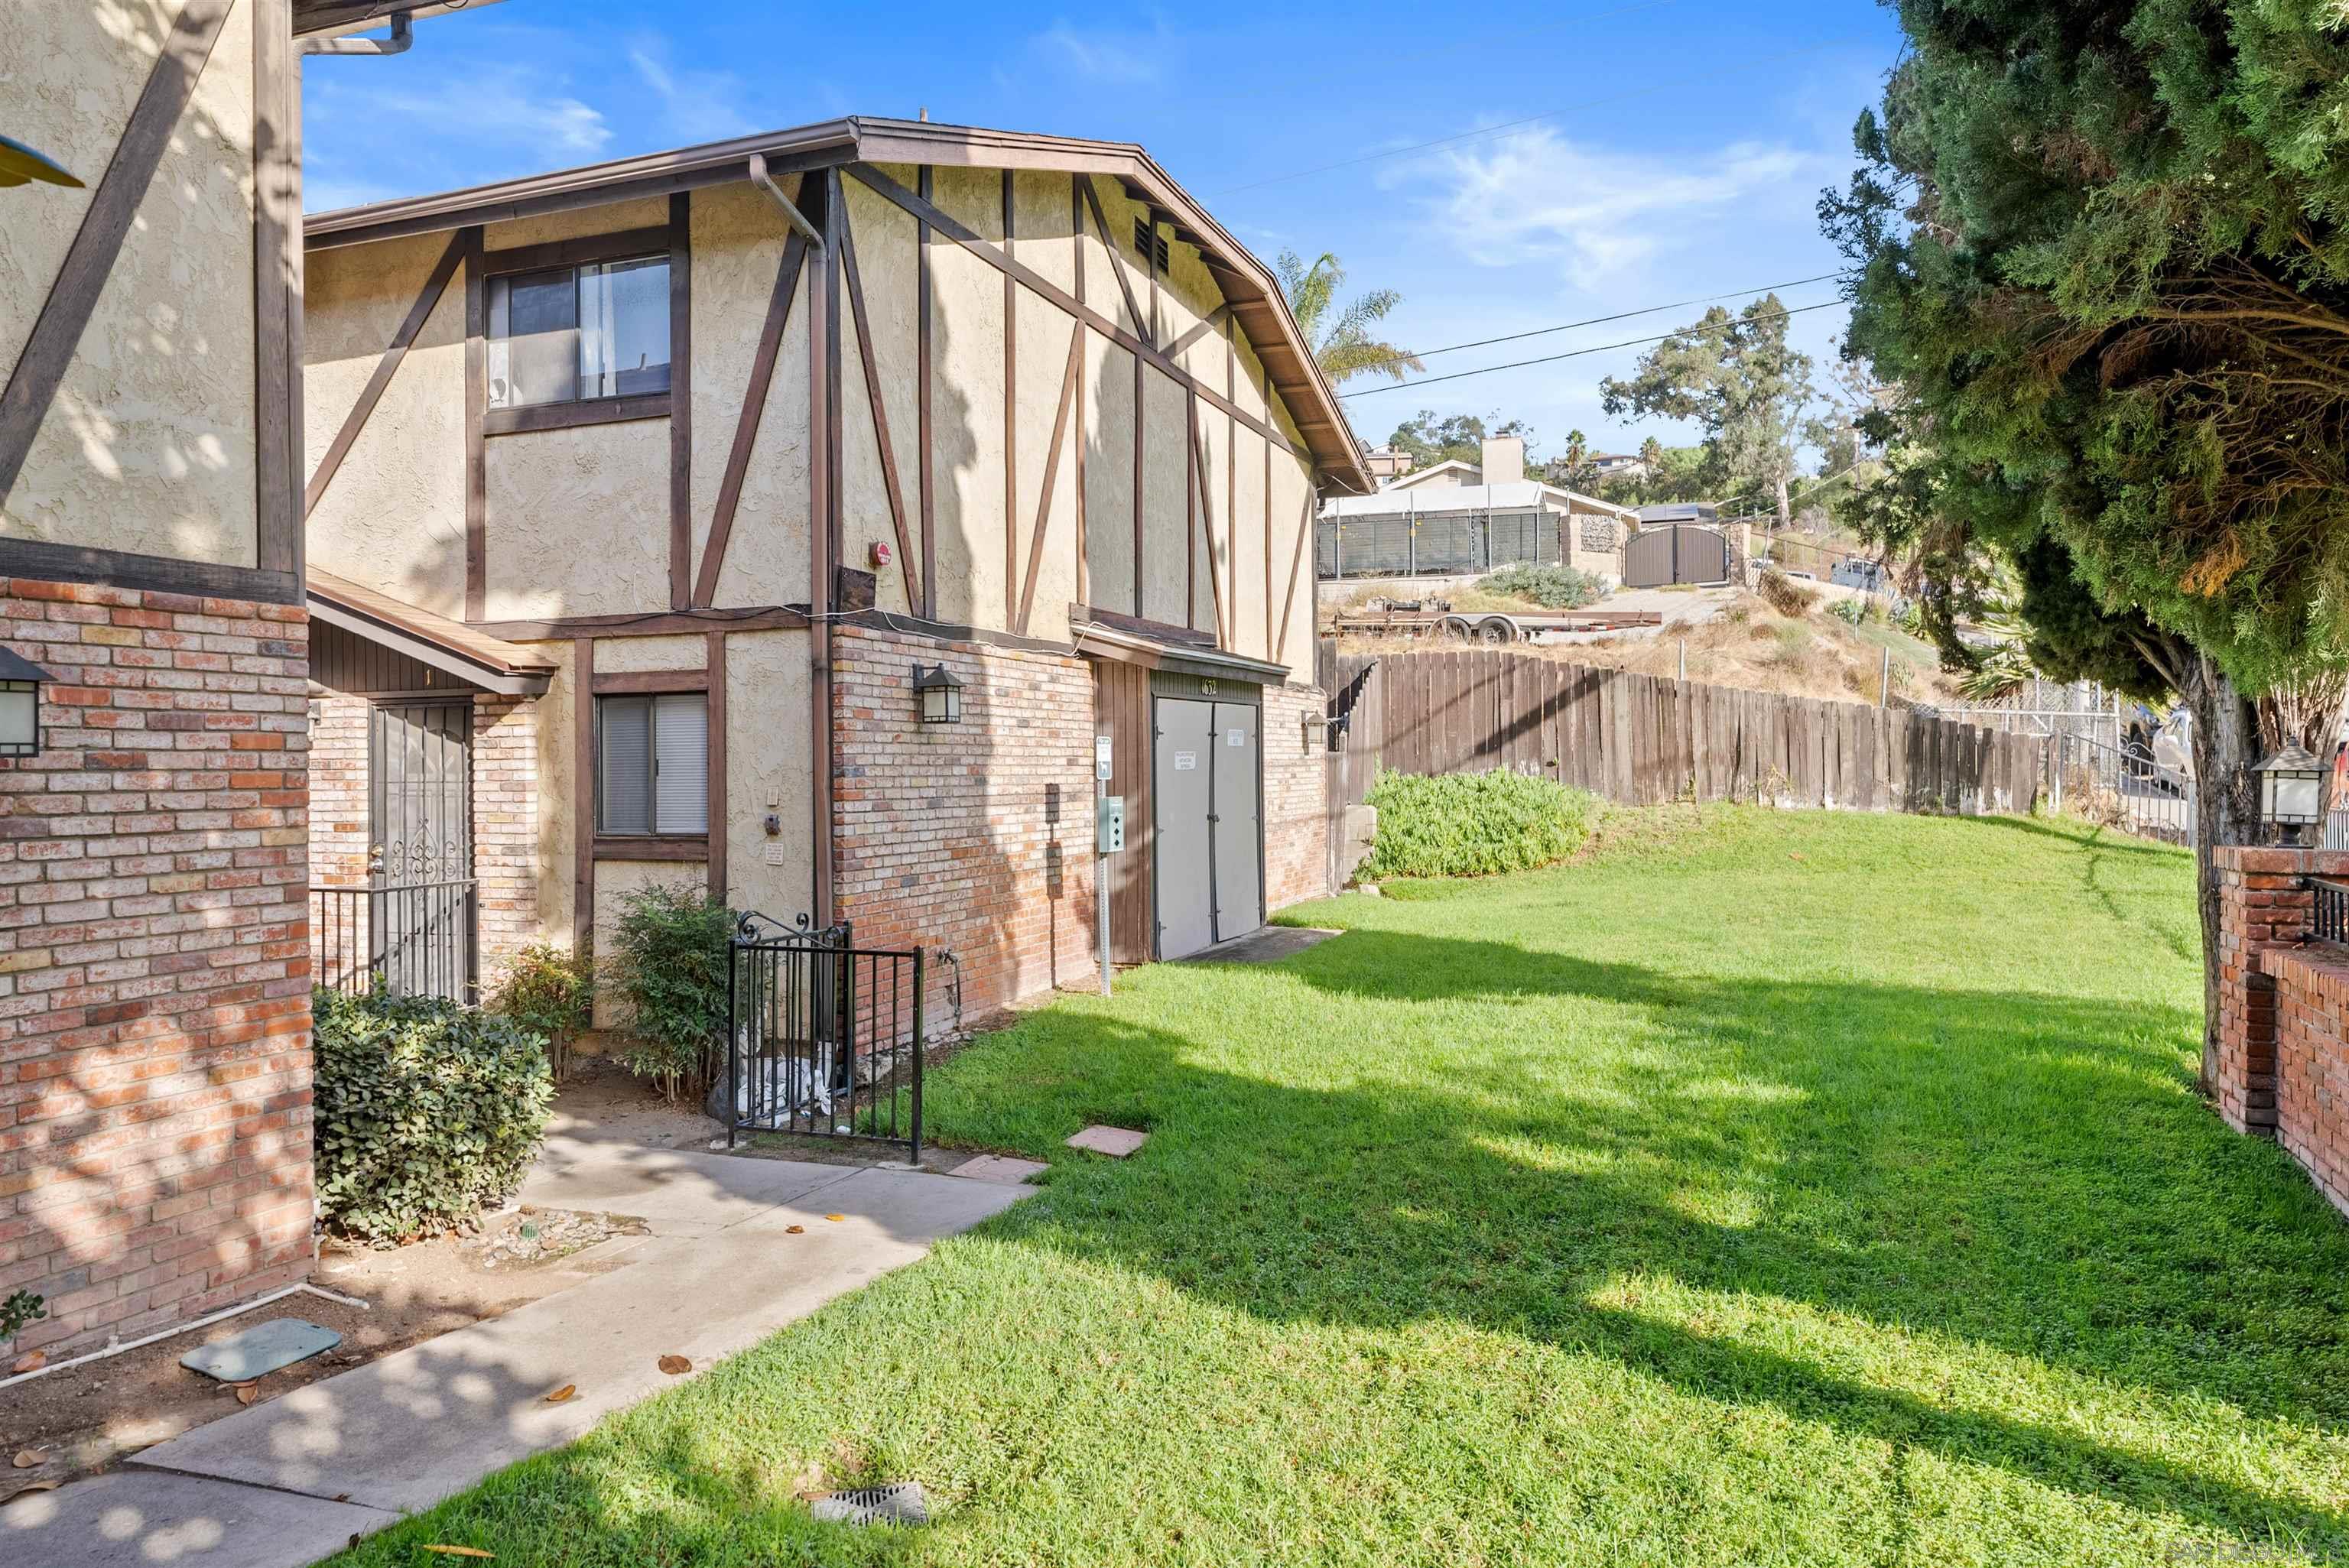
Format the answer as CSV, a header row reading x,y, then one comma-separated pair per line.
x,y
885,266
578,521
769,769
149,444
409,461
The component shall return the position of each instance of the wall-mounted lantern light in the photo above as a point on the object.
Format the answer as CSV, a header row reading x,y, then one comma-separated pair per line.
x,y
937,695
2291,792
20,705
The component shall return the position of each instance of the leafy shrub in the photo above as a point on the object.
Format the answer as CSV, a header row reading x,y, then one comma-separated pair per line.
x,y
671,969
1552,587
21,1309
550,991
1784,594
427,1111
1853,611
1473,824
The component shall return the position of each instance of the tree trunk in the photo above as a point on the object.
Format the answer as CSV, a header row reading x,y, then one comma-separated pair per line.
x,y
2226,744
1785,508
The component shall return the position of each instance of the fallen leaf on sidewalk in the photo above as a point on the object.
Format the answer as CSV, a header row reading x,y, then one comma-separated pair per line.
x,y
462,1551
246,1394
33,1486
675,1365
563,1393
31,1459
793,1230
835,1216
31,1361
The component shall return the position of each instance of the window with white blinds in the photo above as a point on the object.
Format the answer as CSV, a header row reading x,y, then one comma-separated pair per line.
x,y
652,757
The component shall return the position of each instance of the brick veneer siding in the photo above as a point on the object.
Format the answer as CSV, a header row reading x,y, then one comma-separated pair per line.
x,y
2282,1066
154,967
506,829
2311,1063
944,835
1296,797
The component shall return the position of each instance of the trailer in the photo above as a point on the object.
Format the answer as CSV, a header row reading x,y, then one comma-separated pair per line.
x,y
1436,618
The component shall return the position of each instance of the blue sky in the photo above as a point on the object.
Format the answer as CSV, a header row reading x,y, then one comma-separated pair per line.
x,y
1679,147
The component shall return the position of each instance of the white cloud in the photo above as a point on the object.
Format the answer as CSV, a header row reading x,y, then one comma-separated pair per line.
x,y
695,106
1106,56
515,108
1597,214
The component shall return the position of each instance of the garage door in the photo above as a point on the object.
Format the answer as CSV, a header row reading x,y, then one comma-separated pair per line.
x,y
1206,797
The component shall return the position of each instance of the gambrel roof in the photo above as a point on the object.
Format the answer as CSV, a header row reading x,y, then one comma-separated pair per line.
x,y
1257,301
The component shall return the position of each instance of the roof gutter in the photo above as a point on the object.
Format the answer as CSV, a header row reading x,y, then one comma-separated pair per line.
x,y
402,38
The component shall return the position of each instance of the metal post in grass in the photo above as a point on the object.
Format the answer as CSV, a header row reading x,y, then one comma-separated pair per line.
x,y
916,1140
1884,682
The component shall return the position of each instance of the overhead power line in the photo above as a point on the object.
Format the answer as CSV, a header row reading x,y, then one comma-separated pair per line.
x,y
1599,320
1677,86
1577,353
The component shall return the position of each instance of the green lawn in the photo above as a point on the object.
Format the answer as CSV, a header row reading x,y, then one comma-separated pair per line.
x,y
1770,1189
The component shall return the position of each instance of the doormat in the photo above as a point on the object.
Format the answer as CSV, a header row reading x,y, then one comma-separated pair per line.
x,y
261,1349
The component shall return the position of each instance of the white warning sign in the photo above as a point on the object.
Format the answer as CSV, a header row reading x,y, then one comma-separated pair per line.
x,y
1185,761
1236,737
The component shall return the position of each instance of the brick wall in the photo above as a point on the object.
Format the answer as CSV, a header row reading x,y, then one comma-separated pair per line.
x,y
2282,1062
154,970
945,835
506,829
1296,797
2311,1063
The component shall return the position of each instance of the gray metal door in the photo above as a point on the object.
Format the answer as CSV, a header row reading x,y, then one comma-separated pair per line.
x,y
420,887
1182,787
1234,822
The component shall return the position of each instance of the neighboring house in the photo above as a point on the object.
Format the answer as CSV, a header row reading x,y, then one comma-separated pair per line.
x,y
1607,466
641,494
1386,463
154,986
1462,518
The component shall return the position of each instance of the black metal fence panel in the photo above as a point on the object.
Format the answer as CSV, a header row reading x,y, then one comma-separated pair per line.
x,y
824,1039
412,939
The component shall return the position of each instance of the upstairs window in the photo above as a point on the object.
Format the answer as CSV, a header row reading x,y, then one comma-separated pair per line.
x,y
653,756
574,334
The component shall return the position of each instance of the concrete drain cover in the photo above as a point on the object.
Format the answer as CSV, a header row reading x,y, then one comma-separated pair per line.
x,y
261,1349
900,1502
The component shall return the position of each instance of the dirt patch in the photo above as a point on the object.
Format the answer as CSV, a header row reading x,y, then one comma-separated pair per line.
x,y
86,1418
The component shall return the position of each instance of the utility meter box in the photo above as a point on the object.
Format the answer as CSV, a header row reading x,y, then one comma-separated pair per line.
x,y
1109,825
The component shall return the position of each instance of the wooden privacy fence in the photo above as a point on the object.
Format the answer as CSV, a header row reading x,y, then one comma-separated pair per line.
x,y
1642,740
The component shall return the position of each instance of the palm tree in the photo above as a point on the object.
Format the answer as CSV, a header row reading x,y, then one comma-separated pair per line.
x,y
1342,344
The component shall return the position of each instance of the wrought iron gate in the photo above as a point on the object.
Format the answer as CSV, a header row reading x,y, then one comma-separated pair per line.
x,y
410,927
823,1039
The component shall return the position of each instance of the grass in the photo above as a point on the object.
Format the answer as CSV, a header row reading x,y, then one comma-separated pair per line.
x,y
1760,1188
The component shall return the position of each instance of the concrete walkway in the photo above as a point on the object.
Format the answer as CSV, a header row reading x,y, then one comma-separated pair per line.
x,y
286,1482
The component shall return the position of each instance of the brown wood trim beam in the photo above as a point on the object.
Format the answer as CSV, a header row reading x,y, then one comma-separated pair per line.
x,y
650,849
681,400
1037,284
923,394
1226,631
428,300
652,240
638,683
278,453
1192,489
1077,275
1051,473
38,559
823,468
1198,330
1296,559
584,795
883,446
754,409
1232,487
533,416
1010,418
654,623
477,398
1124,286
49,347
715,660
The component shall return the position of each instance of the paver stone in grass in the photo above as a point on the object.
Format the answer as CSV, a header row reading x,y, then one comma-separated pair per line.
x,y
1117,1142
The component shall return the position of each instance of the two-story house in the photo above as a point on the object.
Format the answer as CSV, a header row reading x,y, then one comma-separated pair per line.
x,y
645,500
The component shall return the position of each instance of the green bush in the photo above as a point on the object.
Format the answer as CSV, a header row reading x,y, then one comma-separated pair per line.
x,y
549,990
671,969
1553,587
1854,610
1473,824
427,1111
